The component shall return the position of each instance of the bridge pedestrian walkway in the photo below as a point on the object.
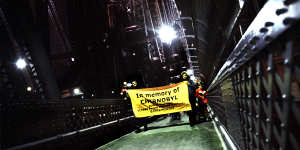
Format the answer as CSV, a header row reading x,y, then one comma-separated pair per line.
x,y
167,134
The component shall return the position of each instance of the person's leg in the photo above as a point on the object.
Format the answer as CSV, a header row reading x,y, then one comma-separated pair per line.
x,y
194,110
191,118
203,116
173,116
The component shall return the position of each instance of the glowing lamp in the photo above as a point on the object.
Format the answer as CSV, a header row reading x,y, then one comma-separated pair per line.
x,y
166,34
77,91
29,89
21,63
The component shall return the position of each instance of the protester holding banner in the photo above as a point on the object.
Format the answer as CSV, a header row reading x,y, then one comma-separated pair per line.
x,y
135,86
191,87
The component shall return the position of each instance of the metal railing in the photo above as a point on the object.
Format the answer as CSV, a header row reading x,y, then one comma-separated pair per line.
x,y
255,95
65,123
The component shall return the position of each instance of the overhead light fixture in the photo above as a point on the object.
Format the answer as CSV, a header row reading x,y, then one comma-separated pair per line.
x,y
77,91
72,59
175,54
128,9
166,34
21,63
155,58
29,89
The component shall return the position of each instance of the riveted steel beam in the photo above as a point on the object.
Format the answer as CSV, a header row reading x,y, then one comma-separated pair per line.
x,y
273,19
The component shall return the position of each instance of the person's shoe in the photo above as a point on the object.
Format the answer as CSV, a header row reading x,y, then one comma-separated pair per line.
x,y
145,128
192,124
172,119
138,130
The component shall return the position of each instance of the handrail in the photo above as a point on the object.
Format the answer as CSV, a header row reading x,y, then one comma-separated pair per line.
x,y
60,136
268,25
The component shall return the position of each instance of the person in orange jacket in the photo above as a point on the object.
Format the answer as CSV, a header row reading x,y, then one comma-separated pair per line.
x,y
201,94
202,101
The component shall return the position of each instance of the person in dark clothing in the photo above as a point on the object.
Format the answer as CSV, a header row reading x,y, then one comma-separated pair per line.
x,y
135,85
191,87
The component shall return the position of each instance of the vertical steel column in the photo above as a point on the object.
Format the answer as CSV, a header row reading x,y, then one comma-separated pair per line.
x,y
59,27
42,63
201,10
149,17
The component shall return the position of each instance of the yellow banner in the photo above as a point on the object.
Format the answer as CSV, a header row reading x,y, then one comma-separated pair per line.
x,y
160,100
